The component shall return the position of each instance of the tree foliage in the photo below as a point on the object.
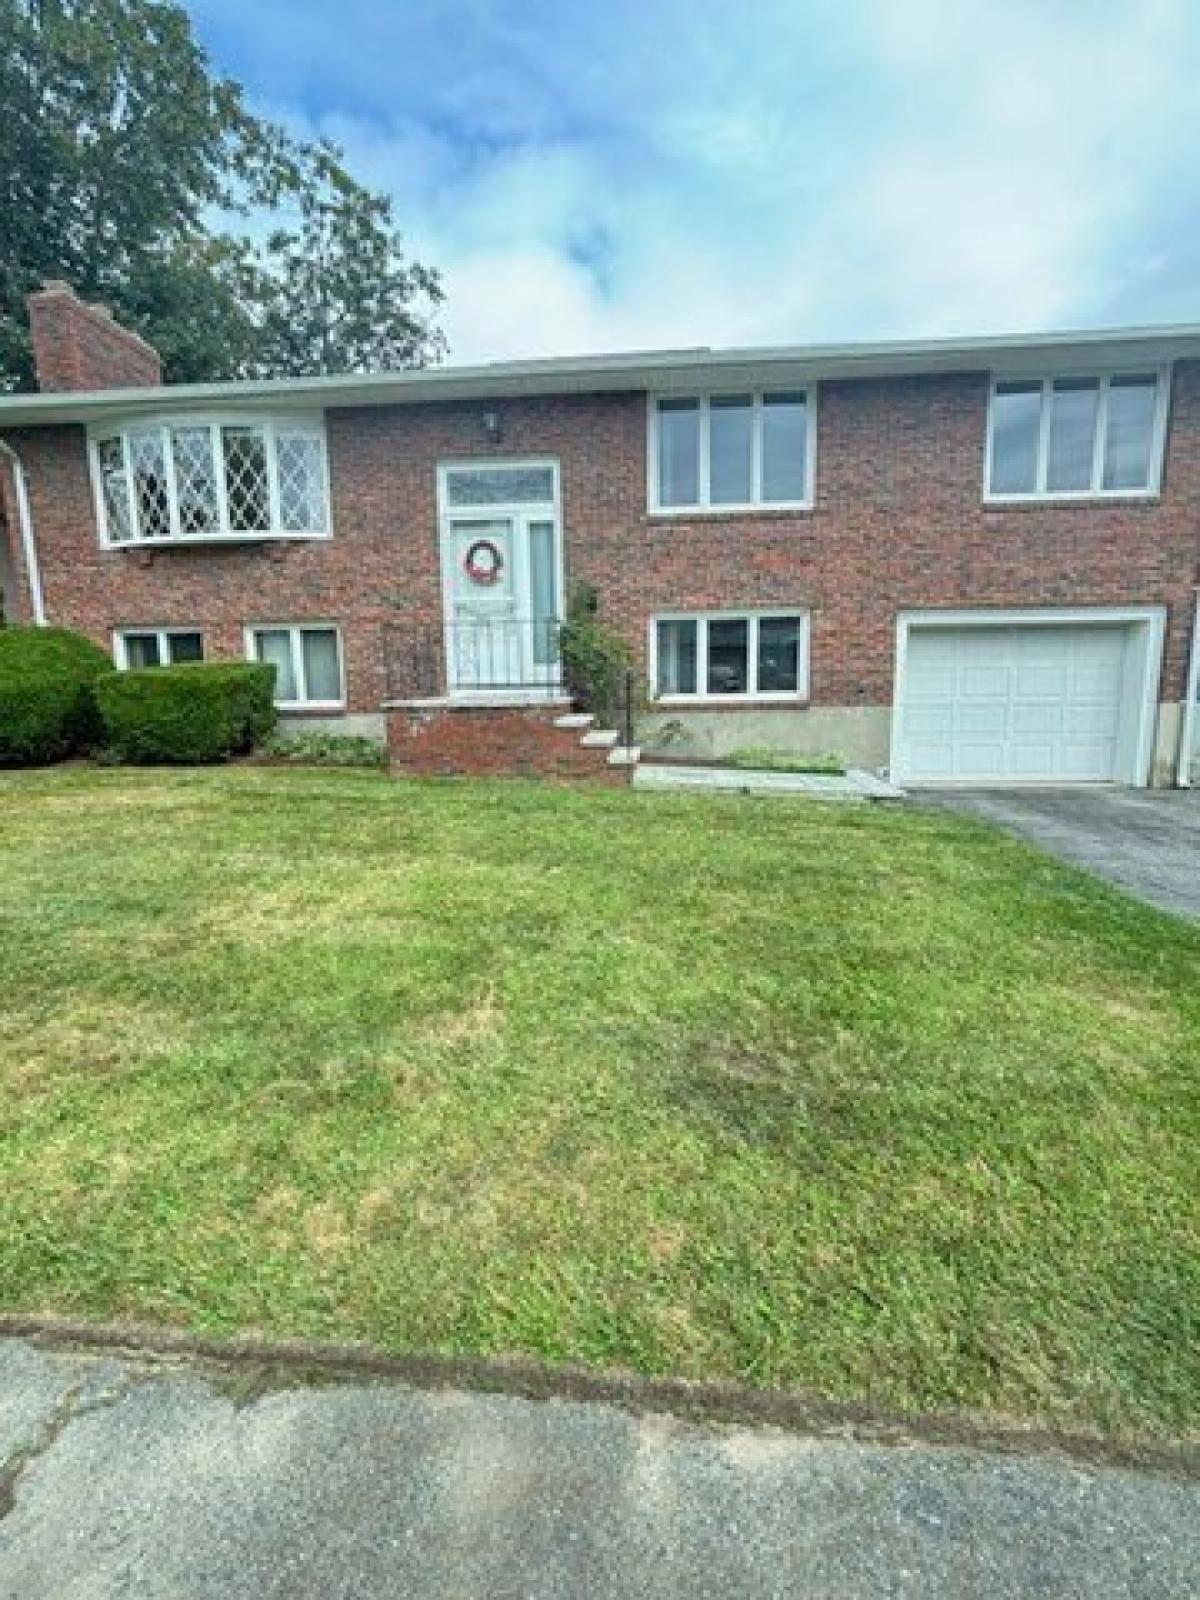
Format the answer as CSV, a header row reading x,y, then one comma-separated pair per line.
x,y
132,170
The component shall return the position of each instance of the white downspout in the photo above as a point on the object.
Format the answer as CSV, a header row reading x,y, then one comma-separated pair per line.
x,y
1187,732
33,571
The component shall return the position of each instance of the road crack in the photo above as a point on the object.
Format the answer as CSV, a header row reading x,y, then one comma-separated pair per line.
x,y
75,1404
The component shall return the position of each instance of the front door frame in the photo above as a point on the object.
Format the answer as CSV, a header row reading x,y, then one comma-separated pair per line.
x,y
521,513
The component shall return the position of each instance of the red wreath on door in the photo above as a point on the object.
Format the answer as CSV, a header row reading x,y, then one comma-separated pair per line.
x,y
484,562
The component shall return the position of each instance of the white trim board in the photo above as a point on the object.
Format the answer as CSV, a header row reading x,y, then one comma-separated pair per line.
x,y
1187,731
1149,620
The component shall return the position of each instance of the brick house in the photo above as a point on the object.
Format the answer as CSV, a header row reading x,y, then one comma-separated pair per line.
x,y
957,560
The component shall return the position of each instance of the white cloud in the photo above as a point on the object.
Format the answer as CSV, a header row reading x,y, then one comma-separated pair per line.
x,y
676,173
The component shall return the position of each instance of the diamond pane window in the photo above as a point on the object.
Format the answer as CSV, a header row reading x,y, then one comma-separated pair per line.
x,y
151,499
201,479
195,480
246,490
301,466
114,486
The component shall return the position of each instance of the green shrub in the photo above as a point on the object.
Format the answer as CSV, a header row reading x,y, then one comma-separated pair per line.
x,y
193,713
47,703
327,750
251,689
596,661
762,758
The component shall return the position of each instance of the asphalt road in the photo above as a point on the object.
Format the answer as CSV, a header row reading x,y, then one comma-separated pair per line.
x,y
135,1481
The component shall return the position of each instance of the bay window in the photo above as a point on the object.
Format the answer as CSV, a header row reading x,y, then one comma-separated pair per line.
x,y
731,451
1079,437
201,480
730,656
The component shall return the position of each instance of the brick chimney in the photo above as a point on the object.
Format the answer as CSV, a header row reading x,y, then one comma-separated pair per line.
x,y
77,346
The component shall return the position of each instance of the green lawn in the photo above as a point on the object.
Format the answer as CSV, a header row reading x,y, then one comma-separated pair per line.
x,y
865,1101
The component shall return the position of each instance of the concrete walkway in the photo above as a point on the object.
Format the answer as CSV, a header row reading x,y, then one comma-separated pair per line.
x,y
1146,841
127,1480
853,784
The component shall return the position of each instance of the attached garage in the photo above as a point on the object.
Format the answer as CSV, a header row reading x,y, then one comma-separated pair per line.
x,y
1026,696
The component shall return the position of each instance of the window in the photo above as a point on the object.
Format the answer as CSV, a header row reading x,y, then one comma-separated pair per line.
x,y
500,485
1076,436
157,647
307,659
722,451
721,656
200,480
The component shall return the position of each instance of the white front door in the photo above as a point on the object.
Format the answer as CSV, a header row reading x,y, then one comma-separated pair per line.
x,y
501,576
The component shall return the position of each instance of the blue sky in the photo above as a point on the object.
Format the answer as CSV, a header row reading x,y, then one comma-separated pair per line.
x,y
607,174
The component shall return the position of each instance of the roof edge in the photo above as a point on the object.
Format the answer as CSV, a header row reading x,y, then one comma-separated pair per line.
x,y
653,370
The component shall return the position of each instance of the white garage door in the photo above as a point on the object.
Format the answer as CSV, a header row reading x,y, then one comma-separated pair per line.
x,y
1041,703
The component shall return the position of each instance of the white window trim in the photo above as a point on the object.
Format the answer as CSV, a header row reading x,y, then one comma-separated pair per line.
x,y
162,634
702,507
753,617
310,423
1041,496
294,630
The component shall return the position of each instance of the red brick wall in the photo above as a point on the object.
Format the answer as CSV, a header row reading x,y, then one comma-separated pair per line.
x,y
77,346
898,523
473,741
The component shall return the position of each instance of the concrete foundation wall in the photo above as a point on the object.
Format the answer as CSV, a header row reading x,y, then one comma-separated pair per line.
x,y
350,725
859,734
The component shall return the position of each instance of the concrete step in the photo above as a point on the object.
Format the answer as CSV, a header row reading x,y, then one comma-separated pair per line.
x,y
624,755
600,739
575,719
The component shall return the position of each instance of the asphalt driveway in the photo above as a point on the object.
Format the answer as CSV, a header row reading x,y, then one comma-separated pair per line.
x,y
1147,841
119,1479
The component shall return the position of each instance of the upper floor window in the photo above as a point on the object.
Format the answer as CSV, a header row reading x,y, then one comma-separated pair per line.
x,y
731,451
200,480
1082,437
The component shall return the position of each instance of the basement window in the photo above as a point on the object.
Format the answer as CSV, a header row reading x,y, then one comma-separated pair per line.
x,y
718,656
204,480
157,647
307,658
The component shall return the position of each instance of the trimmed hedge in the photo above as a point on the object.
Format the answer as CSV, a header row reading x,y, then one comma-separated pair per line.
x,y
196,712
47,703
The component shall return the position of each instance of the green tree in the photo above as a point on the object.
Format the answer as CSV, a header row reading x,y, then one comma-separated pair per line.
x,y
129,168
335,291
